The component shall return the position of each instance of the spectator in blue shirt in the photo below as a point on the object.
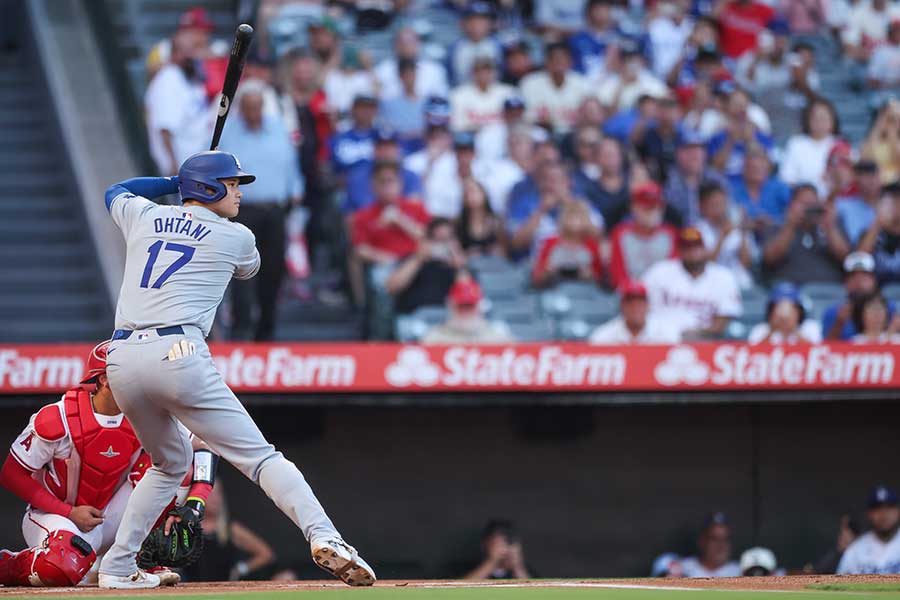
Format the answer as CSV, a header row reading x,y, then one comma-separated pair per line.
x,y
856,212
359,177
357,144
690,171
477,41
860,283
266,149
728,148
405,112
591,45
761,195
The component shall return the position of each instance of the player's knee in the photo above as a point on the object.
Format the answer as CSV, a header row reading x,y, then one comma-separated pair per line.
x,y
175,466
63,560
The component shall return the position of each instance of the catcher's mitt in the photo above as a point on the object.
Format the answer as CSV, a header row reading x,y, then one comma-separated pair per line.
x,y
182,547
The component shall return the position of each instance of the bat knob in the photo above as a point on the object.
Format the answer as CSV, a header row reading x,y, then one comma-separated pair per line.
x,y
244,30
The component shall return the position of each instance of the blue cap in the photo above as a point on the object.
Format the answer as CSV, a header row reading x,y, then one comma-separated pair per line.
x,y
716,518
788,291
437,111
882,495
785,291
513,102
464,139
689,137
478,9
726,86
779,26
386,134
364,98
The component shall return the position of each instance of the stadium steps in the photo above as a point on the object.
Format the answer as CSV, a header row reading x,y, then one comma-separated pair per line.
x,y
52,288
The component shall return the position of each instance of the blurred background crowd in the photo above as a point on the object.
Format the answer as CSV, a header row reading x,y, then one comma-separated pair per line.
x,y
234,552
613,170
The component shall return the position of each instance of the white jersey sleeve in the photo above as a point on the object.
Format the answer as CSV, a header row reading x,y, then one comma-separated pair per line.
x,y
727,293
849,563
126,209
249,261
33,452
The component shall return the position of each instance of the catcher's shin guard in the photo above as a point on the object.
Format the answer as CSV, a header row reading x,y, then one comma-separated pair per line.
x,y
62,560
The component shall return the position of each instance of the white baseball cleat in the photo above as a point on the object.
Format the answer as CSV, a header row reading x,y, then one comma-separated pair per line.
x,y
167,577
343,561
138,581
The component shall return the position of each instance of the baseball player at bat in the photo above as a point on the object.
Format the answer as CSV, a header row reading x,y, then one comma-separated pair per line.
x,y
76,464
179,261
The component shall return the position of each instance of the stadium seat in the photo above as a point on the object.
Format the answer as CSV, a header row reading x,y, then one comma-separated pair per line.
x,y
824,293
410,328
502,285
535,331
892,292
523,309
490,264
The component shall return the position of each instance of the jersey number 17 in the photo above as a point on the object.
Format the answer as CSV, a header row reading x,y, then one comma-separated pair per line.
x,y
187,253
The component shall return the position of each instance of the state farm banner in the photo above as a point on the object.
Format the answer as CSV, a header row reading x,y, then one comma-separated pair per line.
x,y
298,368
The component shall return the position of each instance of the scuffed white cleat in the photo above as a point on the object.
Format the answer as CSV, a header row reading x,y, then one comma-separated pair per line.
x,y
343,561
140,580
167,577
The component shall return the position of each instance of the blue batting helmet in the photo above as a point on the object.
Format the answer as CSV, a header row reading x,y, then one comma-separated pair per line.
x,y
199,177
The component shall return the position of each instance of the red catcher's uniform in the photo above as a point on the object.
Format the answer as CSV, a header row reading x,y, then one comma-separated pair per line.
x,y
80,457
68,456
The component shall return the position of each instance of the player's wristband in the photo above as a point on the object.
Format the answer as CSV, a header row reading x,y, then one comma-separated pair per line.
x,y
205,463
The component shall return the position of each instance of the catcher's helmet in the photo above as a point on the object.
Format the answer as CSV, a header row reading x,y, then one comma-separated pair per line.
x,y
96,362
199,177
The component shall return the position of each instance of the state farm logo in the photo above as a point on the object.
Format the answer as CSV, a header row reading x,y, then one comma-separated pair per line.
x,y
777,365
682,365
413,365
505,366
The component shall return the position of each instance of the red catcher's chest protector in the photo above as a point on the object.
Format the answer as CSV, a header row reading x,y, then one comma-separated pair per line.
x,y
102,455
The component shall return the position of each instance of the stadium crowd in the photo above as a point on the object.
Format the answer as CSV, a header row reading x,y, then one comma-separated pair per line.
x,y
678,152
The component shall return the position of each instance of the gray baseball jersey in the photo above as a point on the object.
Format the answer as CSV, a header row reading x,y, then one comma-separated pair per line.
x,y
179,262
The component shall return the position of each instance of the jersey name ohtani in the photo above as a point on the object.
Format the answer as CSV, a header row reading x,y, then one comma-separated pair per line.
x,y
186,226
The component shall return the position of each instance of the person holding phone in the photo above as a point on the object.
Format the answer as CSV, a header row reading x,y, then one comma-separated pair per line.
x,y
882,240
809,246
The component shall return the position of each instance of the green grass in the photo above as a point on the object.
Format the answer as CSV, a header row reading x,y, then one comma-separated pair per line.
x,y
879,592
856,587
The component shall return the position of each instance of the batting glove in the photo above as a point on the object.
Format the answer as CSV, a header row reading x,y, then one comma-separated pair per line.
x,y
181,349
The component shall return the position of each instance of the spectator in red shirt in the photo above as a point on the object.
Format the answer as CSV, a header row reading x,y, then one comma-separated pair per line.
x,y
740,22
572,254
637,243
385,231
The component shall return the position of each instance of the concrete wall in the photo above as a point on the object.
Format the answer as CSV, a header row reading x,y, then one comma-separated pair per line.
x,y
596,491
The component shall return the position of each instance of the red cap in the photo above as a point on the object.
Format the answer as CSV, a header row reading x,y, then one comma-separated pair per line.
x,y
465,292
690,236
841,150
195,18
647,194
96,363
632,289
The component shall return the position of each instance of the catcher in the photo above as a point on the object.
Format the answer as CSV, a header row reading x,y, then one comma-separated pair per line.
x,y
76,464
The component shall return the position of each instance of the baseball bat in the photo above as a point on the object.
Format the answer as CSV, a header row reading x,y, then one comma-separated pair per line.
x,y
242,38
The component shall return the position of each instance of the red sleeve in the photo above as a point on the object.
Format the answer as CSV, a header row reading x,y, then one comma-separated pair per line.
x,y
418,212
596,260
673,235
199,491
617,271
359,231
17,479
543,257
